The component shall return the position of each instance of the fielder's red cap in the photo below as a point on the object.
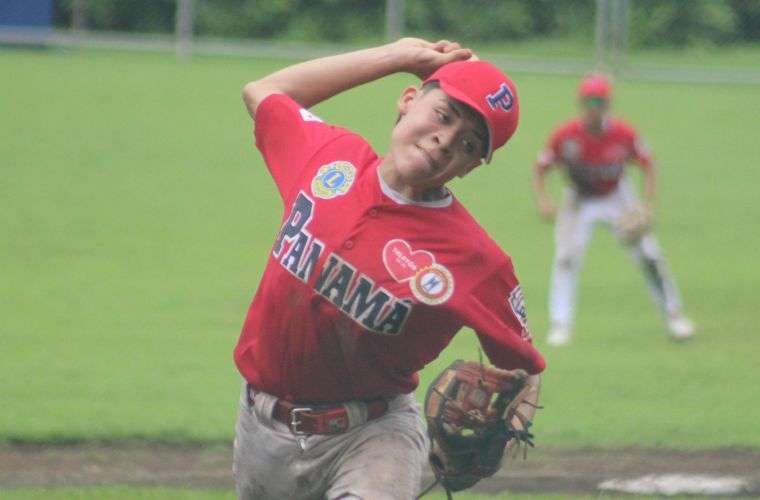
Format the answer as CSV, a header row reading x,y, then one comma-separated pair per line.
x,y
483,87
595,85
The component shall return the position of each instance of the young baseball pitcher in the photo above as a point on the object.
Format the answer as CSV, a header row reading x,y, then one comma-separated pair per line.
x,y
593,151
375,268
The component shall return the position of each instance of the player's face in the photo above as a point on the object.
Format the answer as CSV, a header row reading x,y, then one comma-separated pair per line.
x,y
436,139
594,109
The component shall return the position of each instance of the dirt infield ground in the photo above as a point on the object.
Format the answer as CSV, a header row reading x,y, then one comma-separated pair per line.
x,y
545,471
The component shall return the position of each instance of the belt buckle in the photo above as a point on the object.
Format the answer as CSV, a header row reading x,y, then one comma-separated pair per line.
x,y
295,421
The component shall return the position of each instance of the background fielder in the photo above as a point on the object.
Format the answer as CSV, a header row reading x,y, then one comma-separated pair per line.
x,y
593,151
377,265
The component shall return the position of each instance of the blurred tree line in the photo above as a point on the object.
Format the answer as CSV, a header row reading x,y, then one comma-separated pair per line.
x,y
651,22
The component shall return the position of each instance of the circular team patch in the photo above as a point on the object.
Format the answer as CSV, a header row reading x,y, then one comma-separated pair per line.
x,y
333,179
432,285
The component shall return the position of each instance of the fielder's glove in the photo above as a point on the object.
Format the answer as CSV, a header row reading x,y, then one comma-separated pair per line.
x,y
634,223
469,410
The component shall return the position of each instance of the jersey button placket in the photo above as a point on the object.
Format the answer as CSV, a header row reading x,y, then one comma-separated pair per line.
x,y
349,244
374,212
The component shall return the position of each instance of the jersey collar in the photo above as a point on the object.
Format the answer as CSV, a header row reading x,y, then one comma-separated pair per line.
x,y
606,124
403,200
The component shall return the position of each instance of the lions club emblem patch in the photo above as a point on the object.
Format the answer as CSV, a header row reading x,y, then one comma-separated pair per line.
x,y
430,282
333,179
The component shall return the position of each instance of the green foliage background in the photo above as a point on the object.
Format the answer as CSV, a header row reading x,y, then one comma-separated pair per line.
x,y
652,22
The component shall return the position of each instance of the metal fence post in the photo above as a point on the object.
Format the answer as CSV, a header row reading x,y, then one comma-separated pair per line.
x,y
394,19
602,34
79,15
184,28
620,34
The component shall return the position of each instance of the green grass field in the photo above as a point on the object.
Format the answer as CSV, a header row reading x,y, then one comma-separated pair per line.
x,y
137,217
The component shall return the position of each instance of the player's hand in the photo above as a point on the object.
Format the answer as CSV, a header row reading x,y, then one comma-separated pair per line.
x,y
546,209
421,57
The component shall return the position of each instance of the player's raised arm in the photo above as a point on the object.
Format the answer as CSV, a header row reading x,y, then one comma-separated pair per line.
x,y
546,207
642,157
314,81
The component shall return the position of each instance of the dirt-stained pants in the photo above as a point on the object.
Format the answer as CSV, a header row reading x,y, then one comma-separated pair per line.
x,y
378,460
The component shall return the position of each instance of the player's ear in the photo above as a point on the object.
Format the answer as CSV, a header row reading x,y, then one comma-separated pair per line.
x,y
406,99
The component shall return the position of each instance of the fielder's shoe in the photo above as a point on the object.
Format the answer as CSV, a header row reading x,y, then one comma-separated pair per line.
x,y
681,327
558,335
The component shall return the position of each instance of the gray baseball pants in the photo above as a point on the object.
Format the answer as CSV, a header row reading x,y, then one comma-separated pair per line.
x,y
381,459
575,223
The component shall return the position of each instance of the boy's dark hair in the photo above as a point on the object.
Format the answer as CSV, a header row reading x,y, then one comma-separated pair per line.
x,y
427,87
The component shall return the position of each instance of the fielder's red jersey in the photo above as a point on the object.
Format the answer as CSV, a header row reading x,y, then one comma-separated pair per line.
x,y
594,162
362,288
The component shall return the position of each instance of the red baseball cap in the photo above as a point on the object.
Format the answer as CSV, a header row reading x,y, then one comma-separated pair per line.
x,y
484,88
595,85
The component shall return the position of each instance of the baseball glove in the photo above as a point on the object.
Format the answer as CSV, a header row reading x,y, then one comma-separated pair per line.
x,y
470,410
634,223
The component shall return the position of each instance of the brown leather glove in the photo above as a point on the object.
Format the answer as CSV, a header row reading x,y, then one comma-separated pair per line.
x,y
470,410
634,223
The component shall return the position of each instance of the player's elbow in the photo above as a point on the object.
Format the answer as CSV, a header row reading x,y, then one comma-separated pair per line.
x,y
248,90
254,93
250,96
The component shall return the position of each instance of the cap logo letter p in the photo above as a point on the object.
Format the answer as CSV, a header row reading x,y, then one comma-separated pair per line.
x,y
501,98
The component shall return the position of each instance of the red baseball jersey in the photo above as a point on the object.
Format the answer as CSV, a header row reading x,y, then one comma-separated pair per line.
x,y
594,162
363,288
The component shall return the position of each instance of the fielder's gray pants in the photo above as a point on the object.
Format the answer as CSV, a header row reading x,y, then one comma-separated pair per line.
x,y
576,221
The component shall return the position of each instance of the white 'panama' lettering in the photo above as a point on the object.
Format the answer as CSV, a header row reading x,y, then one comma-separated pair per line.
x,y
296,259
352,292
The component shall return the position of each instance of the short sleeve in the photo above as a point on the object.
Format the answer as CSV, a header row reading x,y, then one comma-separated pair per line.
x,y
288,135
496,311
639,152
551,152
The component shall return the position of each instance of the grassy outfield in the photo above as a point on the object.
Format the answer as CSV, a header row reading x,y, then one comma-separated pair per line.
x,y
137,218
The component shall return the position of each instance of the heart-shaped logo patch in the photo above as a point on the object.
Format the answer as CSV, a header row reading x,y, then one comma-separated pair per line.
x,y
402,263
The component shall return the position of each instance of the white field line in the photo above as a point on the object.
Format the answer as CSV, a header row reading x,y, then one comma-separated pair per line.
x,y
678,484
